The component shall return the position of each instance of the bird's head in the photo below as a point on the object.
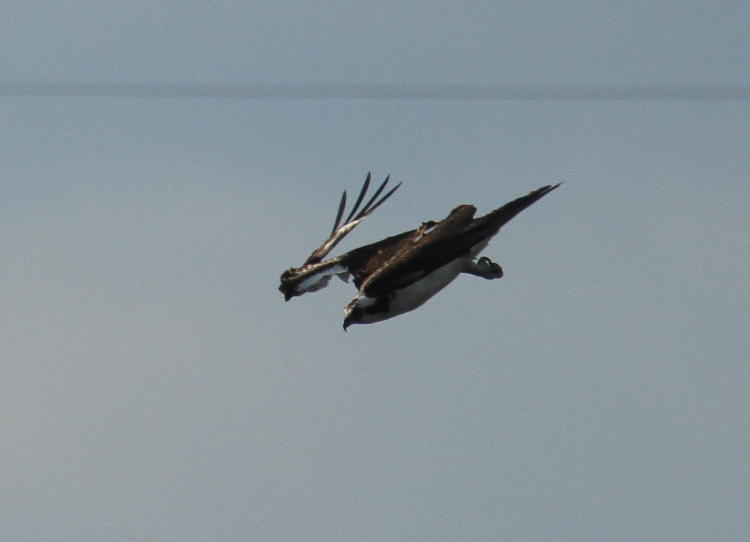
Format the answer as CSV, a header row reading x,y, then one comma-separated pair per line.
x,y
352,315
366,310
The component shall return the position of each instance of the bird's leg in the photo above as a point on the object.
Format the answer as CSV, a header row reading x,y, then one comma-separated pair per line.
x,y
484,267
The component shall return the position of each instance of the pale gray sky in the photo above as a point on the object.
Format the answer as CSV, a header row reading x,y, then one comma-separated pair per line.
x,y
156,386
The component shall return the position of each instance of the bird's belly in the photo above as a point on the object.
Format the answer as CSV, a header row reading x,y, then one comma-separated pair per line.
x,y
416,294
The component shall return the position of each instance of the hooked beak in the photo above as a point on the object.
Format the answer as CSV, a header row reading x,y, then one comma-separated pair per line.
x,y
348,320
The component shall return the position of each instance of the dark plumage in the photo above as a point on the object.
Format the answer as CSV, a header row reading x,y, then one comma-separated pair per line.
x,y
399,273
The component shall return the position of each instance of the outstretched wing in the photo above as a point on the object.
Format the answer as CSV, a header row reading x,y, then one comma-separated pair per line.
x,y
451,238
352,221
315,273
438,246
364,261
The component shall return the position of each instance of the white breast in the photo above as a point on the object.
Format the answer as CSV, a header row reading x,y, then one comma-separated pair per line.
x,y
416,294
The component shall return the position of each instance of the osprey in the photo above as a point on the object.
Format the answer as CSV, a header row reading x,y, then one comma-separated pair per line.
x,y
399,273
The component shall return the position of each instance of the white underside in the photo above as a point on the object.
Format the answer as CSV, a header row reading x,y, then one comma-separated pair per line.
x,y
413,296
320,279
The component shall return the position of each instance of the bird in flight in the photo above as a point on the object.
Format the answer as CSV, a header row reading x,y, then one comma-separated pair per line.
x,y
399,273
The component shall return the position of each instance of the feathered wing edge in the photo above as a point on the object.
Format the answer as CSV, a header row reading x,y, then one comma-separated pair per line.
x,y
449,239
315,273
352,221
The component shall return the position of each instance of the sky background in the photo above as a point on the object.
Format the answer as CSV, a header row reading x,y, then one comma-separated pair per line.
x,y
155,386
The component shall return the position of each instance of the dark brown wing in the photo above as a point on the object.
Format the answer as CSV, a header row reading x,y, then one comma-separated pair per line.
x,y
422,256
364,261
450,239
489,224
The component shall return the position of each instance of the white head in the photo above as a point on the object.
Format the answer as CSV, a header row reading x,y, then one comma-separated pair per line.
x,y
365,310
